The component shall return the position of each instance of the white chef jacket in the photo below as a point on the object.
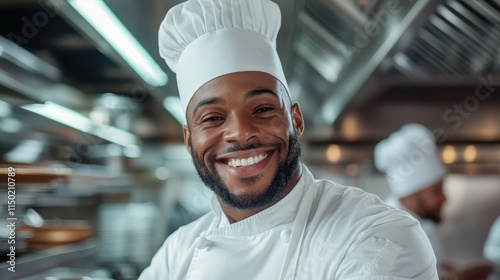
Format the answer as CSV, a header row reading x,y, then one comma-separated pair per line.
x,y
430,230
492,244
320,230
492,249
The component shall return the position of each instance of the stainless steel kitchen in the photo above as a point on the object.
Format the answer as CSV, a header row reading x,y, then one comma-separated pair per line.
x,y
94,169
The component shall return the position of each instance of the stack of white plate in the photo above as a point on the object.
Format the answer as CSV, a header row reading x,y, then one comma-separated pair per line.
x,y
126,232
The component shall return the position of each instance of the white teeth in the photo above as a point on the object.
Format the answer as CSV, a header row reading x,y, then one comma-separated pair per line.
x,y
247,161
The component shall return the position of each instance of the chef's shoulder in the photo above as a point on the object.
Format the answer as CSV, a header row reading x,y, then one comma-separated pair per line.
x,y
333,198
374,238
184,236
340,200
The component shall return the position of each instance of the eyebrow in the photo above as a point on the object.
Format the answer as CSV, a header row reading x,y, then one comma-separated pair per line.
x,y
218,100
257,92
205,102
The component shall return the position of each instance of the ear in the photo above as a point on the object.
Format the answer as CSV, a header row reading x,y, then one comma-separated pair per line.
x,y
297,119
186,135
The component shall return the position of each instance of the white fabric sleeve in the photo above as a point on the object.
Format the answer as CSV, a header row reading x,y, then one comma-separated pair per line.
x,y
158,269
394,248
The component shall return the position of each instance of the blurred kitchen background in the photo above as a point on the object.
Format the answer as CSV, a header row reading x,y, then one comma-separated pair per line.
x,y
90,119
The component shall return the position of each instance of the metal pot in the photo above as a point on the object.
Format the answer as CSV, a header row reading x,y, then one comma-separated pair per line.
x,y
57,232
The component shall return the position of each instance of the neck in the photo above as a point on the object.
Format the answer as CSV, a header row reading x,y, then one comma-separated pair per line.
x,y
410,203
235,214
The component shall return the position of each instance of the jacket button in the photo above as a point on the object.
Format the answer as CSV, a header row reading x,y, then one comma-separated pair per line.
x,y
285,235
201,243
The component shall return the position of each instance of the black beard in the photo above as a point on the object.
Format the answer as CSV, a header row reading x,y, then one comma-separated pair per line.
x,y
429,214
436,219
283,175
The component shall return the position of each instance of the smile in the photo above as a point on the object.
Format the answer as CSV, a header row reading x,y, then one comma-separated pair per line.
x,y
241,162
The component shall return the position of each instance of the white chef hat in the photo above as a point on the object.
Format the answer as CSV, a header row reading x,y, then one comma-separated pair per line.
x,y
492,244
410,159
204,39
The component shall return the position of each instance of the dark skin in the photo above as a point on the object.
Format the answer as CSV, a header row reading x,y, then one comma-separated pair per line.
x,y
428,202
239,110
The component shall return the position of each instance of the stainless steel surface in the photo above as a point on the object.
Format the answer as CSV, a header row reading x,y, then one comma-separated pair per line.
x,y
32,265
340,57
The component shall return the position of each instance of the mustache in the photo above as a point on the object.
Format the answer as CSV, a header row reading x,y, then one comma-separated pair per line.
x,y
238,147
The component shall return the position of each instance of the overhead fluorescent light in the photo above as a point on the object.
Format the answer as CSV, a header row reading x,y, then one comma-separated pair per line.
x,y
10,125
62,115
26,151
5,109
82,123
173,105
26,60
102,19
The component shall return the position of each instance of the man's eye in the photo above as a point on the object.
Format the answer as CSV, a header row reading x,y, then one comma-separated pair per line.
x,y
262,110
212,119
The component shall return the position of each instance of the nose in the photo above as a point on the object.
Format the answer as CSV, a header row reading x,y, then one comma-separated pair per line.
x,y
240,130
442,195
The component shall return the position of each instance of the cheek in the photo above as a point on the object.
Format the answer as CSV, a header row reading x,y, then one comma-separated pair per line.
x,y
281,126
200,142
437,202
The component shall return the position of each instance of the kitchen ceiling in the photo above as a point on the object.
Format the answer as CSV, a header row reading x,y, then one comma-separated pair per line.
x,y
360,69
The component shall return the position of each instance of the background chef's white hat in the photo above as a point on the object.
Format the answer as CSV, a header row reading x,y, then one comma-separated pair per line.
x,y
204,39
492,244
410,159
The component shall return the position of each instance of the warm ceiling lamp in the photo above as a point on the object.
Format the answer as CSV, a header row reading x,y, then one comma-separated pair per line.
x,y
449,154
333,153
470,153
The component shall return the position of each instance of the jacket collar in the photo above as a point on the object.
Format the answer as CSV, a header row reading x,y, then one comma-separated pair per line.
x,y
284,211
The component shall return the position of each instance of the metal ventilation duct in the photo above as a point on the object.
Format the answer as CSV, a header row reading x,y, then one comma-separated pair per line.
x,y
460,39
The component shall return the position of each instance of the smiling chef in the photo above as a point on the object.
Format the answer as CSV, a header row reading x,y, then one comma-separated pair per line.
x,y
270,218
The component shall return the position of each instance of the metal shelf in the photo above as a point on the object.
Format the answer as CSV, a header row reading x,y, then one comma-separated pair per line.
x,y
33,264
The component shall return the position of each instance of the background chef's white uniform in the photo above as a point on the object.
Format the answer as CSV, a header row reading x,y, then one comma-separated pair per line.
x,y
492,248
348,234
429,228
410,159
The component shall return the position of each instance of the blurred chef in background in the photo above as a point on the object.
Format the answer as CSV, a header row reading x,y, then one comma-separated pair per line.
x,y
410,159
492,248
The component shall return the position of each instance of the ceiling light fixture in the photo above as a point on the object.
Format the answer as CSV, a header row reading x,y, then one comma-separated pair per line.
x,y
470,153
26,60
334,153
102,19
174,107
82,123
449,154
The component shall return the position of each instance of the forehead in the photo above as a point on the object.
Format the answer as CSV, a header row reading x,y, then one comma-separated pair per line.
x,y
236,85
435,186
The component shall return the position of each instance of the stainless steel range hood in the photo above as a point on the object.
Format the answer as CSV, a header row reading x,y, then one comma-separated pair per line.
x,y
359,75
358,55
359,69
